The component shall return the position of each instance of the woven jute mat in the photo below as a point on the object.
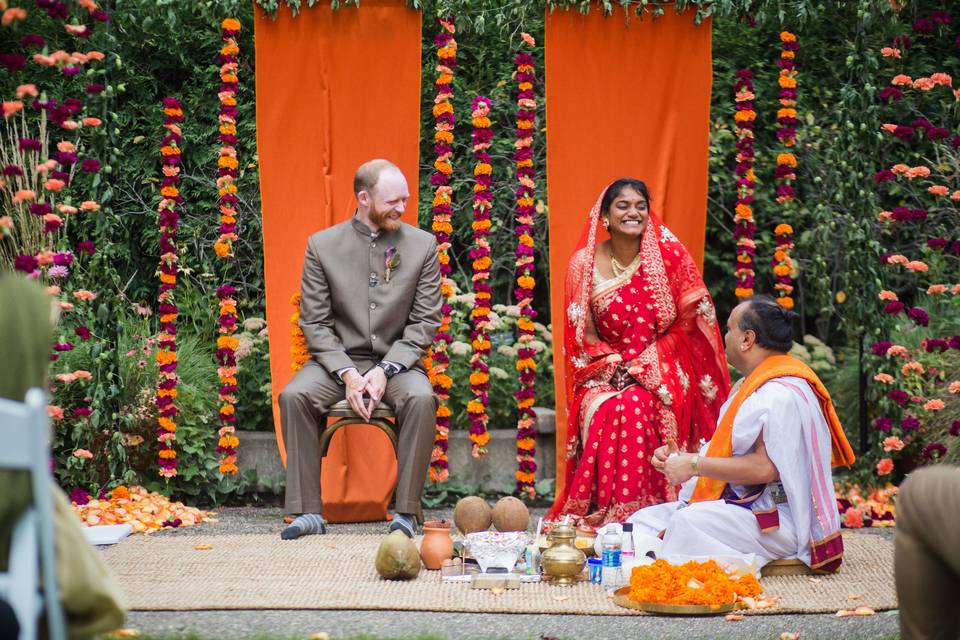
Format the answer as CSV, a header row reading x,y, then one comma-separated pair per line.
x,y
336,572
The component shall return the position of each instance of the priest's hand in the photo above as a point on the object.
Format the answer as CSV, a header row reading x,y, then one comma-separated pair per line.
x,y
660,454
356,384
678,468
375,384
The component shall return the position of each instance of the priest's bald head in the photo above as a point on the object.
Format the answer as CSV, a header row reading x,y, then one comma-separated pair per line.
x,y
757,328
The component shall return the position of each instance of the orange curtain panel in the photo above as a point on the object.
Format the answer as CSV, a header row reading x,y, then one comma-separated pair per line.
x,y
334,88
624,98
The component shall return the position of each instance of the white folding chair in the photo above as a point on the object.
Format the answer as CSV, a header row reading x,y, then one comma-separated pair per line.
x,y
24,432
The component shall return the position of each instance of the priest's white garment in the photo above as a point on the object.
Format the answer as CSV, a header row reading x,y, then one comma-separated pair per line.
x,y
797,439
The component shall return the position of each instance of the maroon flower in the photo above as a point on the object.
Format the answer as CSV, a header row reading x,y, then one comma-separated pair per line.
x,y
934,451
923,26
880,348
883,175
82,332
12,170
82,412
909,423
890,94
940,16
90,166
25,263
904,42
903,132
63,346
883,424
955,342
79,496
937,243
919,316
86,246
899,396
94,88
30,144
32,40
13,61
955,428
937,133
893,307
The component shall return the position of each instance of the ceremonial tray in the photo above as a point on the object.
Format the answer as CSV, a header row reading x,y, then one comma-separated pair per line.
x,y
621,598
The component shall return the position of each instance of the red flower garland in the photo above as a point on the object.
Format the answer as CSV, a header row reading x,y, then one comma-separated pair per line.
x,y
480,256
166,356
523,294
745,227
227,192
442,228
787,121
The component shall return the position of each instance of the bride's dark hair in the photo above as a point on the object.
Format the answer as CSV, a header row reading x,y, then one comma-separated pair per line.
x,y
617,186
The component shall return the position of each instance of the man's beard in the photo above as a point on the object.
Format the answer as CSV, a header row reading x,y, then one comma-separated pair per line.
x,y
381,219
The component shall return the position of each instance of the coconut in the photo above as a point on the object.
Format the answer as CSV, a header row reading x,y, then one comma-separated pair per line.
x,y
472,514
397,557
510,514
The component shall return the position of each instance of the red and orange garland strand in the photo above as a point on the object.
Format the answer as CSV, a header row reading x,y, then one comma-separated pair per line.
x,y
299,353
442,228
744,226
784,173
480,257
226,294
168,221
526,366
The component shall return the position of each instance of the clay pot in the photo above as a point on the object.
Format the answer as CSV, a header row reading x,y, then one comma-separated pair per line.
x,y
437,545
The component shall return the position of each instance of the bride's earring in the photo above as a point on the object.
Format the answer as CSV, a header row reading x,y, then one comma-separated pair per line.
x,y
606,224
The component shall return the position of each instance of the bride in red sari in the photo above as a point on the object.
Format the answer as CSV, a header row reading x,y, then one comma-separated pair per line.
x,y
644,359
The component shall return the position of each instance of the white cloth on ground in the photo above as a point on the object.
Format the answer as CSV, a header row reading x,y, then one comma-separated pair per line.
x,y
797,440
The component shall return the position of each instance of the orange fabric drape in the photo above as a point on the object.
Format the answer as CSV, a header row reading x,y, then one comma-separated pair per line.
x,y
624,98
334,88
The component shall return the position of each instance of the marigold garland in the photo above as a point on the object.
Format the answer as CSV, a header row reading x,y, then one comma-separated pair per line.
x,y
744,226
298,342
784,173
523,294
692,583
166,356
481,262
442,228
227,165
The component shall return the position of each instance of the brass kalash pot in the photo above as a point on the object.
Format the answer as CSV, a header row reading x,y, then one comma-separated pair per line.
x,y
562,562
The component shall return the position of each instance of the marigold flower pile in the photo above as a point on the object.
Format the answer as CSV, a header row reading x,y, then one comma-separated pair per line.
x,y
526,365
227,165
438,359
166,356
481,262
692,583
145,511
744,116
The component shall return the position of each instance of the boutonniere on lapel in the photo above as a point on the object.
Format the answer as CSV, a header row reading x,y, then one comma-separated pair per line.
x,y
391,261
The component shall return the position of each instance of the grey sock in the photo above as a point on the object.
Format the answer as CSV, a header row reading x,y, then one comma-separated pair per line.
x,y
304,524
404,522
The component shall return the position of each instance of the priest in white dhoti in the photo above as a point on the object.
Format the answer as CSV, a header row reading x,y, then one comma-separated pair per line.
x,y
763,484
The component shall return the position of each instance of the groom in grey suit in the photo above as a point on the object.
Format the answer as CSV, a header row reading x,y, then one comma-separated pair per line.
x,y
370,306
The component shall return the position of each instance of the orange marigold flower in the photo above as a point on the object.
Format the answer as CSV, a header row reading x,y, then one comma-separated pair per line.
x,y
885,466
783,229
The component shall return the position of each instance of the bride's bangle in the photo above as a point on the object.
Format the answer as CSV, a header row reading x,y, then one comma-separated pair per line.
x,y
695,464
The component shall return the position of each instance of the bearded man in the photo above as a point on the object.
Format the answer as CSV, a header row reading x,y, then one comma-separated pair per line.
x,y
370,306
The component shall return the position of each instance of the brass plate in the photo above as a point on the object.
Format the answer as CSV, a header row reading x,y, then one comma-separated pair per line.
x,y
621,598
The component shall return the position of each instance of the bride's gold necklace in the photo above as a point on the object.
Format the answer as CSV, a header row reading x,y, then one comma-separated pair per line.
x,y
617,268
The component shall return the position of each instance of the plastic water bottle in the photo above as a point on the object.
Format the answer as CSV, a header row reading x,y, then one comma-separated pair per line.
x,y
626,543
610,554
